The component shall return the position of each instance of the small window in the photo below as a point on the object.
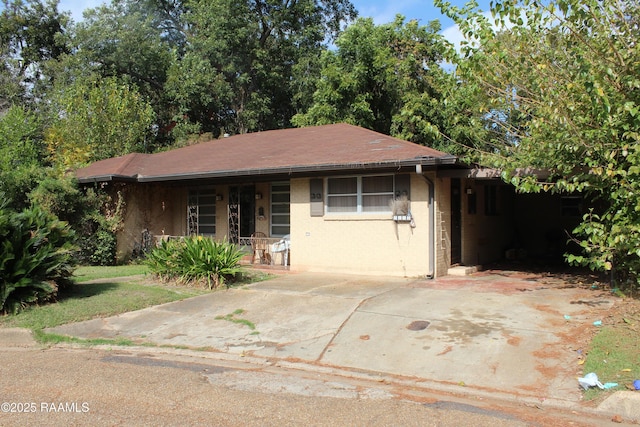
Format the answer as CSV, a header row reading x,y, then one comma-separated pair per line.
x,y
280,208
201,212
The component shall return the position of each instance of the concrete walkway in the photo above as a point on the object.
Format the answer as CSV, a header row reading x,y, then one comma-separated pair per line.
x,y
507,336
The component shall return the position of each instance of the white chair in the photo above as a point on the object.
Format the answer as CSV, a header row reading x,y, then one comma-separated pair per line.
x,y
281,247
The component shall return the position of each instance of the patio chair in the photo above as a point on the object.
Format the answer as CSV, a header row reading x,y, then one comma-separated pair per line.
x,y
259,247
282,247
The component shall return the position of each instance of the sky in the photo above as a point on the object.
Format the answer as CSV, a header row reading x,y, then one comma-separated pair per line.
x,y
382,11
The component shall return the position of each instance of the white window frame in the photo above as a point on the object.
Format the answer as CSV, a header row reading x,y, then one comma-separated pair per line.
x,y
275,215
198,194
359,208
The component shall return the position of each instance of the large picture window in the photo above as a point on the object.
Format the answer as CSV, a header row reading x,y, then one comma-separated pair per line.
x,y
361,194
280,208
201,212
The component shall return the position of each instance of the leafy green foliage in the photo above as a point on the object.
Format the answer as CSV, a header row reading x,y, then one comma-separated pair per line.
x,y
130,40
21,154
32,33
561,85
92,214
388,78
97,119
237,72
35,257
196,260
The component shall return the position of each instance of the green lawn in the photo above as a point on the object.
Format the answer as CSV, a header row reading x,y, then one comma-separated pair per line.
x,y
88,300
84,274
614,355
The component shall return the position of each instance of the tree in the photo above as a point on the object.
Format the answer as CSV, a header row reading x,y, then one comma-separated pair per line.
x,y
125,40
562,86
387,78
21,155
31,33
238,71
97,119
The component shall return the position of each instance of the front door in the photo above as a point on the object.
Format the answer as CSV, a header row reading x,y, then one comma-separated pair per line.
x,y
242,215
456,222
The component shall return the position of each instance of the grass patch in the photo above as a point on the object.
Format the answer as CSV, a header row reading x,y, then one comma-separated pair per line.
x,y
86,301
614,357
84,274
231,317
46,338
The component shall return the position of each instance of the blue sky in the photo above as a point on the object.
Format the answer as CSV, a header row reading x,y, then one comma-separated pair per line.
x,y
382,11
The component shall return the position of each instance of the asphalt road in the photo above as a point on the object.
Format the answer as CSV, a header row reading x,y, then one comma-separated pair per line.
x,y
63,386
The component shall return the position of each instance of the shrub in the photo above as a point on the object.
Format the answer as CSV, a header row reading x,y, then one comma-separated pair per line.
x,y
35,257
90,213
196,260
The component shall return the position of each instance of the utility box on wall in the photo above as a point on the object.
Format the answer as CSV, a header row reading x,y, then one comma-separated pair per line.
x,y
316,197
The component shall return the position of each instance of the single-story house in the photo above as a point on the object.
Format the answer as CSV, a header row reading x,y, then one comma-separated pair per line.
x,y
346,199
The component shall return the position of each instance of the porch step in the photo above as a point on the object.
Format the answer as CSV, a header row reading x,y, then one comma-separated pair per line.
x,y
463,270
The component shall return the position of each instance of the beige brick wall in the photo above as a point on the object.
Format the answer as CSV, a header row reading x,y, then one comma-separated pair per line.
x,y
370,244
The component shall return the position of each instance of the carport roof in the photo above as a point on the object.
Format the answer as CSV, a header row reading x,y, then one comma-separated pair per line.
x,y
299,151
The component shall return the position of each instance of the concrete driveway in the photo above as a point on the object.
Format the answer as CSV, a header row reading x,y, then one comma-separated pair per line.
x,y
517,335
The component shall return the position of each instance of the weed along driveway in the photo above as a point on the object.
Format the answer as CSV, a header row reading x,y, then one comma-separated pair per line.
x,y
503,335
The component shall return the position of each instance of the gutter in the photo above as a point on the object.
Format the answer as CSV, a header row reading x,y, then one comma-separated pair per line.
x,y
306,169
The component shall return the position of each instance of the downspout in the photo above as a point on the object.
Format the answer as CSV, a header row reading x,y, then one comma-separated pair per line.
x,y
432,223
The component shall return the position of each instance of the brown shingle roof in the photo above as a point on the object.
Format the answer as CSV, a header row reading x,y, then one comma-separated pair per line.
x,y
319,148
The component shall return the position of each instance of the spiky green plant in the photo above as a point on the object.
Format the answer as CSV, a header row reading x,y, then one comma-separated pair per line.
x,y
35,256
196,260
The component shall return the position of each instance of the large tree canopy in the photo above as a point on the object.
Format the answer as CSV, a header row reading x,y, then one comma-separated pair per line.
x,y
97,118
31,33
238,72
389,78
561,84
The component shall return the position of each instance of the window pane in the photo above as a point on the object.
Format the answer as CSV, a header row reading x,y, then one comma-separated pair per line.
x,y
207,210
280,230
201,212
280,197
377,184
207,229
281,219
343,185
207,200
280,209
342,203
376,203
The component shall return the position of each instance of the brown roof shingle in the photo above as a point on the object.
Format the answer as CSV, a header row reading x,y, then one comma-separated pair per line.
x,y
299,150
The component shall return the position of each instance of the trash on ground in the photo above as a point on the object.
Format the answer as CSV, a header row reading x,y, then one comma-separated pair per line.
x,y
636,384
609,385
590,380
597,323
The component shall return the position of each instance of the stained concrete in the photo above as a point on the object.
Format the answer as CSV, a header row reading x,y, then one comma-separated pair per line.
x,y
502,335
